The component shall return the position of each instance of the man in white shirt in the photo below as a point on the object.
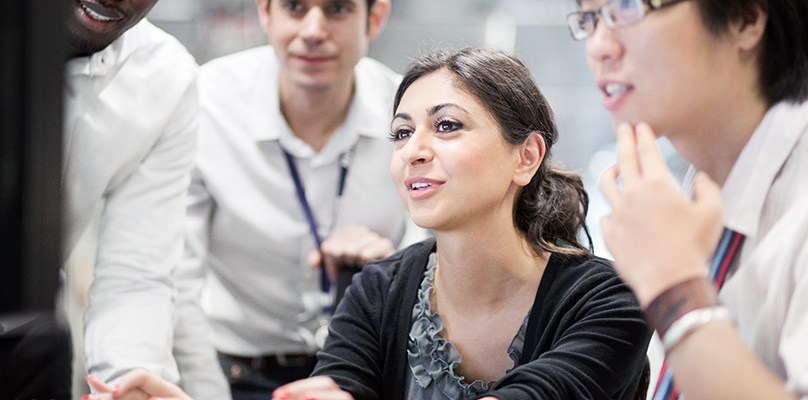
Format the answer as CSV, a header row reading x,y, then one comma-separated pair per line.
x,y
307,110
727,84
131,119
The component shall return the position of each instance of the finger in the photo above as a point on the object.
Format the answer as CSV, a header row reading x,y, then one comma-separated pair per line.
x,y
315,258
650,159
132,394
97,396
296,388
153,385
608,185
347,240
367,245
606,229
330,394
345,252
354,249
627,156
707,195
97,386
706,192
331,265
377,249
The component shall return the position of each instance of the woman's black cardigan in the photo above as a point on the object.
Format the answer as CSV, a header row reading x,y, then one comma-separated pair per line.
x,y
590,344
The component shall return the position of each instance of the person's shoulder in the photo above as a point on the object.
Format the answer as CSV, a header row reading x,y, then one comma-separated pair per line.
x,y
245,60
589,282
377,76
160,47
376,70
400,264
794,117
584,270
238,70
372,108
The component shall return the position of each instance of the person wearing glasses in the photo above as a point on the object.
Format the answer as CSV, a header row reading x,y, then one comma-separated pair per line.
x,y
726,82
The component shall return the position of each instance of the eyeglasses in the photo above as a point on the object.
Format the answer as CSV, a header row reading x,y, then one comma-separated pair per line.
x,y
615,13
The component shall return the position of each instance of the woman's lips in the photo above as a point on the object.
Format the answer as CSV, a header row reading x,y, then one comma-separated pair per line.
x,y
419,188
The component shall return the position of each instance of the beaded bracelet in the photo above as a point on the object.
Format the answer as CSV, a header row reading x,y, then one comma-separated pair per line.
x,y
692,321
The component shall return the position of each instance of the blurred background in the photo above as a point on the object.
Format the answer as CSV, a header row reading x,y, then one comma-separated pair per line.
x,y
535,30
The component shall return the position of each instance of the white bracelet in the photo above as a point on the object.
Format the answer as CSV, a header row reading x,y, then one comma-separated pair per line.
x,y
692,321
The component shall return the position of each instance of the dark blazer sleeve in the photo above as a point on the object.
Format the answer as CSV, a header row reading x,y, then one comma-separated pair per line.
x,y
593,345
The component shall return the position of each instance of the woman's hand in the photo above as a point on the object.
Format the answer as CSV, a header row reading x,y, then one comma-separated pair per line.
x,y
658,237
137,384
316,388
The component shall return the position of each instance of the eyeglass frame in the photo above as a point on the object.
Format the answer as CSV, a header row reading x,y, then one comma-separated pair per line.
x,y
574,18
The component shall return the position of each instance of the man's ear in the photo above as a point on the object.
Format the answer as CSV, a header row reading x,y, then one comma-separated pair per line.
x,y
377,18
748,32
263,13
531,154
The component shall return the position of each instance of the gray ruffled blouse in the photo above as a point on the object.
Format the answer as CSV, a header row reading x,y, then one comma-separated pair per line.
x,y
432,359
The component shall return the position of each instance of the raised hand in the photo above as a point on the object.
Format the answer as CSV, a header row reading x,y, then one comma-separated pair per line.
x,y
658,236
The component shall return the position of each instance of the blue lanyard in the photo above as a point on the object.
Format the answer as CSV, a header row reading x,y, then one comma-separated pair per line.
x,y
304,204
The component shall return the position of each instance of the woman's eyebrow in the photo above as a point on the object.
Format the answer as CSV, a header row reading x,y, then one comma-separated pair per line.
x,y
434,110
403,116
431,111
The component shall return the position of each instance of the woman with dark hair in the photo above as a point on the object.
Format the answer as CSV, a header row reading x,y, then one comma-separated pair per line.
x,y
505,302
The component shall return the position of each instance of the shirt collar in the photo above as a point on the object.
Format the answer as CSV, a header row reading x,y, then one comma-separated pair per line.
x,y
364,118
102,62
763,156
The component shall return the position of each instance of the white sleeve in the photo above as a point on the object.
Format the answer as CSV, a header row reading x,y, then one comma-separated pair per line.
x,y
200,374
129,320
794,338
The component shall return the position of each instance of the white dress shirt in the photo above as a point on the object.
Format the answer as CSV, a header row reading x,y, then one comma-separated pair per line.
x,y
766,199
245,223
129,140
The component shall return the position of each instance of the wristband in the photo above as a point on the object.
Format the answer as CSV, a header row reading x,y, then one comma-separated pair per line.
x,y
691,321
678,300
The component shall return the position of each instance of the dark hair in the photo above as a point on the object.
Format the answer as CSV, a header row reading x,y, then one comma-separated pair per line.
x,y
783,61
551,209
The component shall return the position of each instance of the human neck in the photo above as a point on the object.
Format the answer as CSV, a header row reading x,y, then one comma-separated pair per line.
x,y
486,269
315,114
714,144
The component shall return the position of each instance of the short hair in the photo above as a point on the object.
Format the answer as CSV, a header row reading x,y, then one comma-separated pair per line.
x,y
551,209
783,61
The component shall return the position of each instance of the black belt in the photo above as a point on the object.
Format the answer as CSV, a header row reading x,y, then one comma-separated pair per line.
x,y
273,362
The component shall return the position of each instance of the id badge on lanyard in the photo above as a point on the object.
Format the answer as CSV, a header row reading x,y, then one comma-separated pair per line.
x,y
325,298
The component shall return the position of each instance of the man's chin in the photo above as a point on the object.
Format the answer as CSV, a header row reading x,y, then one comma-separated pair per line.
x,y
81,46
82,42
